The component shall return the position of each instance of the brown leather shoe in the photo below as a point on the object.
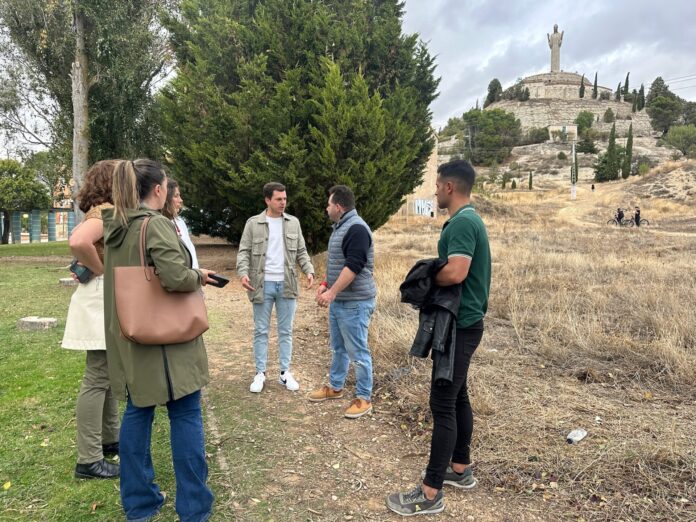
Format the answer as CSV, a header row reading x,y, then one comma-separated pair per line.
x,y
358,408
324,393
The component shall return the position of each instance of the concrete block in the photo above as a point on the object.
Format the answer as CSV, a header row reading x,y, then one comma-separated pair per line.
x,y
35,322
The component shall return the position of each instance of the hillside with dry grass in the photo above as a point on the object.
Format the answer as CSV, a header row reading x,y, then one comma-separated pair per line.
x,y
588,326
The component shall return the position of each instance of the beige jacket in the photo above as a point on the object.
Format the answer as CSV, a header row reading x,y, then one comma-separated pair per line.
x,y
251,259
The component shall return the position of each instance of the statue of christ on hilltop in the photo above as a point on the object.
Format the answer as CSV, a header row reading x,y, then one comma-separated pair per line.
x,y
555,41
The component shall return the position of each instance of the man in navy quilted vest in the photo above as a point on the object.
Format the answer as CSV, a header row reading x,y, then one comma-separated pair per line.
x,y
349,292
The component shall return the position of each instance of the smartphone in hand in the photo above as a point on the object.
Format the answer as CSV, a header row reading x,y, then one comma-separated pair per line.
x,y
220,280
83,274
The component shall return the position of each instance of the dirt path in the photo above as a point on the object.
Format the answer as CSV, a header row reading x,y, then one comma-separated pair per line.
x,y
586,210
305,461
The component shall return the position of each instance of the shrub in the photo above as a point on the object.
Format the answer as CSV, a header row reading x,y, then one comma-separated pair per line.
x,y
513,186
584,121
586,146
643,168
604,96
609,116
535,135
562,156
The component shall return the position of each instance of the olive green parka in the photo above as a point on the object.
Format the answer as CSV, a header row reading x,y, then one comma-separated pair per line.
x,y
150,375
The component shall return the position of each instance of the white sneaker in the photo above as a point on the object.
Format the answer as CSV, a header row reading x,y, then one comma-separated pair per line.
x,y
257,385
289,381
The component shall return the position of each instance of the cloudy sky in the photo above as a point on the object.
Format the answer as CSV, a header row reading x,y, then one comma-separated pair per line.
x,y
475,41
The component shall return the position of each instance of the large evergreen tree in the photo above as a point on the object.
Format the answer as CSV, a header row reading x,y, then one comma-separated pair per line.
x,y
306,93
495,92
582,87
658,88
664,112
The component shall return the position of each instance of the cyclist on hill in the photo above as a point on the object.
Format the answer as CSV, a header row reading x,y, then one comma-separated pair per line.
x,y
636,216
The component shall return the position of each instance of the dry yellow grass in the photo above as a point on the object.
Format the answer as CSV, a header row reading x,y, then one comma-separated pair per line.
x,y
588,326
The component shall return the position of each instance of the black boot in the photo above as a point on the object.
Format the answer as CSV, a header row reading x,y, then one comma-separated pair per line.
x,y
110,449
101,469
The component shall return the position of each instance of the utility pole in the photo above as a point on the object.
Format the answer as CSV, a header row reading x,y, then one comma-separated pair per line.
x,y
573,173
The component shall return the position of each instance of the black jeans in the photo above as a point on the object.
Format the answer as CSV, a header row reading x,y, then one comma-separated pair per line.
x,y
453,420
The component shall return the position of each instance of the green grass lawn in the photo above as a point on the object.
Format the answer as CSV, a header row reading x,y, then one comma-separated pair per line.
x,y
54,248
39,382
38,387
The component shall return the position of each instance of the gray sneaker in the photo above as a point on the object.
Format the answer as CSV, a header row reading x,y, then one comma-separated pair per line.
x,y
464,480
415,503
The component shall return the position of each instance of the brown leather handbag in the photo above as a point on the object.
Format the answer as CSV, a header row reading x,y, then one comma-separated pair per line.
x,y
148,313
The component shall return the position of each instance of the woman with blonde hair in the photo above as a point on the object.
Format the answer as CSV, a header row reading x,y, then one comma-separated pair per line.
x,y
146,375
97,409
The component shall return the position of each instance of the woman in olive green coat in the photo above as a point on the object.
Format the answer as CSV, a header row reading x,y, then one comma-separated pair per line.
x,y
145,375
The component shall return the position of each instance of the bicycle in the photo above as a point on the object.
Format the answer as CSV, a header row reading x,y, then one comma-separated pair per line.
x,y
643,222
624,222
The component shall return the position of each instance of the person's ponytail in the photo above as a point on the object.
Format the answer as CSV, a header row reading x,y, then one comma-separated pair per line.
x,y
125,190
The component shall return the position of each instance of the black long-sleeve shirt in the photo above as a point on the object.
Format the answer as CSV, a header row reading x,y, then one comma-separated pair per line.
x,y
356,244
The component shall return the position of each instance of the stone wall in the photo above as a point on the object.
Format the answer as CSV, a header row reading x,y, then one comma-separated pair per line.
x,y
545,112
560,85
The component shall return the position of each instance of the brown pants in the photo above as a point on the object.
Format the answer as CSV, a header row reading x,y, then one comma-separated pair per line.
x,y
97,410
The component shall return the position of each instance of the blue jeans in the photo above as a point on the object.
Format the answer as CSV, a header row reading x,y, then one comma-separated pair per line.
x,y
140,496
285,312
348,325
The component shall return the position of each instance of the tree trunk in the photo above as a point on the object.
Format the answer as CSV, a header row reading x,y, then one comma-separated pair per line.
x,y
80,93
5,227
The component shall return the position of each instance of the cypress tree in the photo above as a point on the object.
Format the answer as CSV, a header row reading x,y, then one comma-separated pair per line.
x,y
641,97
628,155
612,166
617,94
513,186
530,180
582,86
625,88
594,87
634,107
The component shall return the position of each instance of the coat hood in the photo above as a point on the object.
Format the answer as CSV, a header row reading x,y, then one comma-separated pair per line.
x,y
115,231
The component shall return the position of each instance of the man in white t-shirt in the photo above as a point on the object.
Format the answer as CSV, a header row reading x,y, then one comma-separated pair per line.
x,y
271,246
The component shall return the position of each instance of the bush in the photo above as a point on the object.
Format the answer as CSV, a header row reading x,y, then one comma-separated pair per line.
x,y
514,185
584,121
535,135
643,168
609,116
691,153
676,155
562,156
681,137
604,95
586,146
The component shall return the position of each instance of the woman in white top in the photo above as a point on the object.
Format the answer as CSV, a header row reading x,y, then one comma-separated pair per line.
x,y
97,415
171,210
